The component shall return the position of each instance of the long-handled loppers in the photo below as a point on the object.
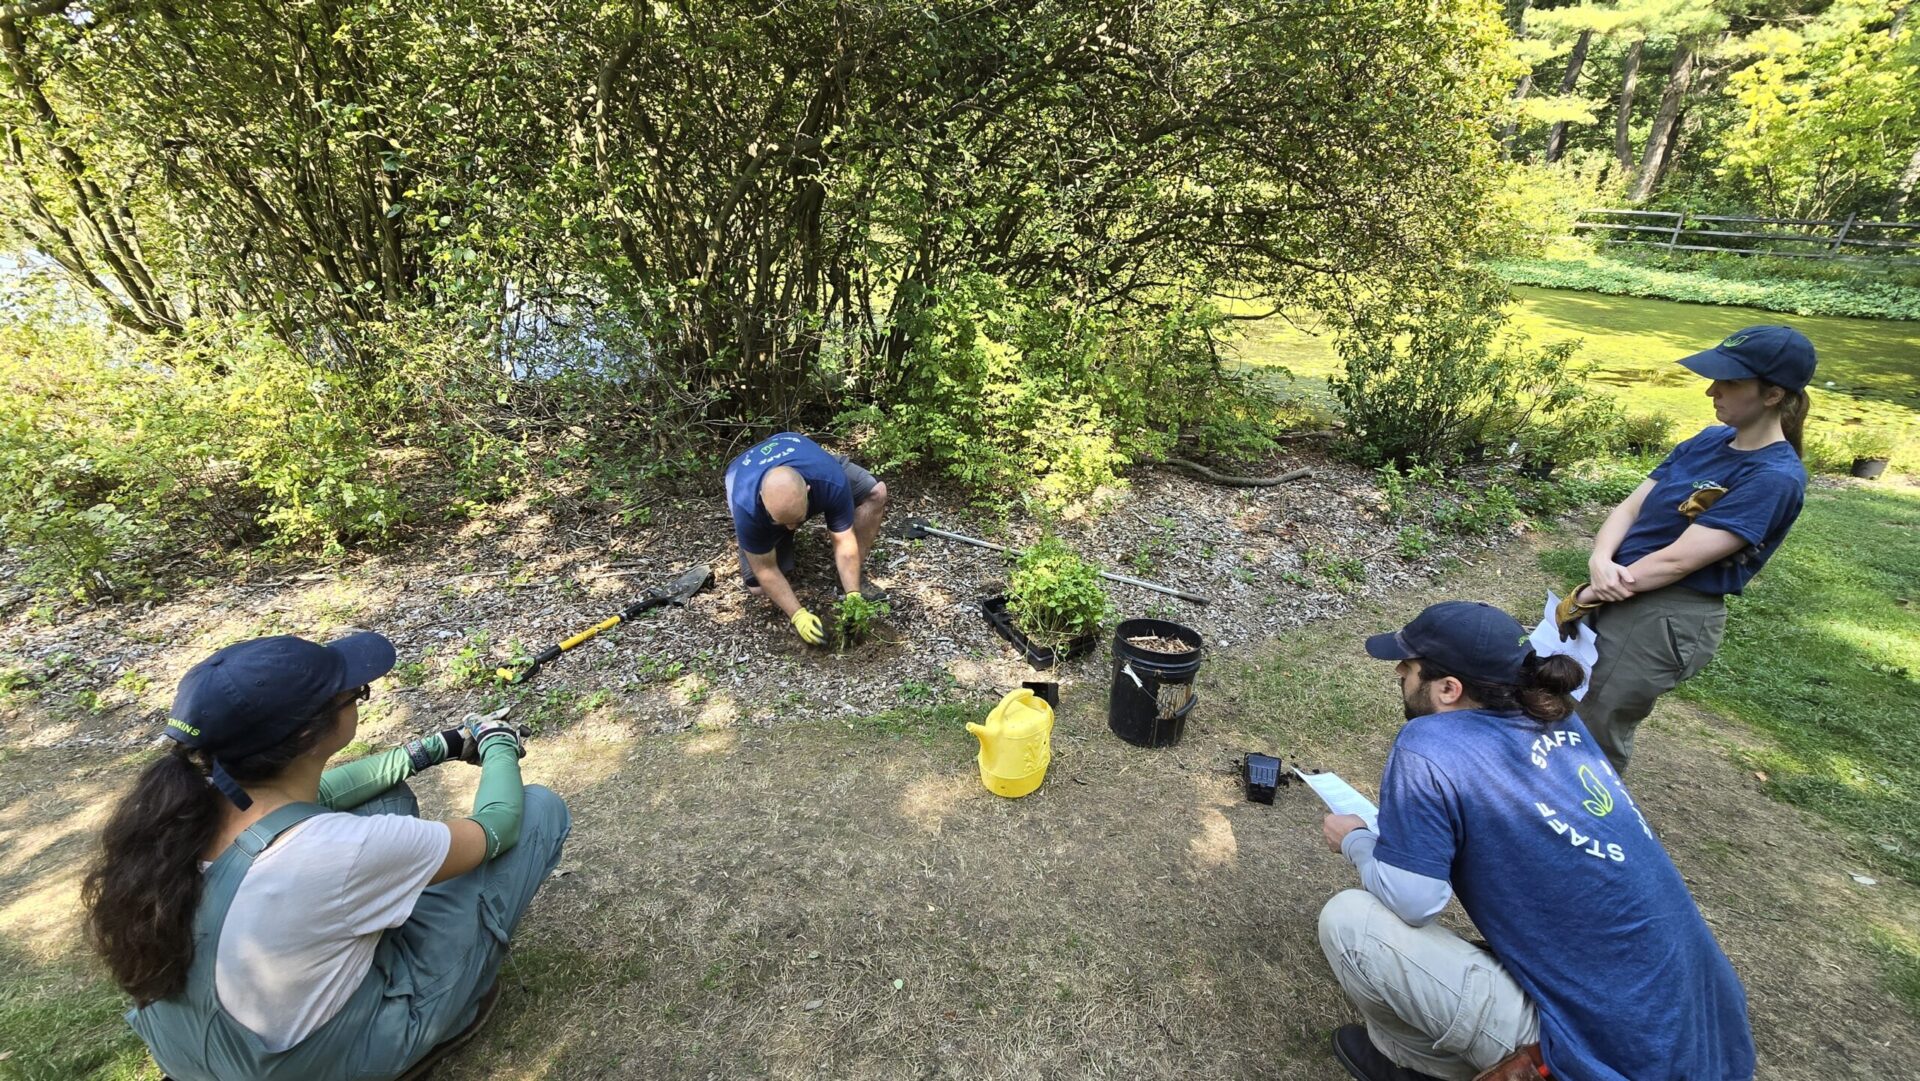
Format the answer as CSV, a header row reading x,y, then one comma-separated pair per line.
x,y
678,591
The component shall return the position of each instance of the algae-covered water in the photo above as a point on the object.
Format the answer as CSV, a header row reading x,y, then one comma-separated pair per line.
x,y
1869,374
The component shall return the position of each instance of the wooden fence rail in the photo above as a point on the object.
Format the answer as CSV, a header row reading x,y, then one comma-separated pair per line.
x,y
1850,240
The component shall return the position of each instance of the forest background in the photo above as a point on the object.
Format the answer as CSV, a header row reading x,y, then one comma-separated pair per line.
x,y
316,275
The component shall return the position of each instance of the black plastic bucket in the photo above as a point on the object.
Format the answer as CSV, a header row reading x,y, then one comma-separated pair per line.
x,y
1152,691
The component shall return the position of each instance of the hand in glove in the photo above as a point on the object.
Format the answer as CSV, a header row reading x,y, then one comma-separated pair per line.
x,y
477,729
1568,616
808,627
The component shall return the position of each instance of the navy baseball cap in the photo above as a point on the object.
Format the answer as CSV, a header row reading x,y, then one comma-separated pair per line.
x,y
1781,355
1469,639
251,695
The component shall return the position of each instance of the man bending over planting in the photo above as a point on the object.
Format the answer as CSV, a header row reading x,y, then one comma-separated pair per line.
x,y
772,490
1597,965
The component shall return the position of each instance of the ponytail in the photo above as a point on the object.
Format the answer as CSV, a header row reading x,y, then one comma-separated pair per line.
x,y
143,890
1544,696
1794,405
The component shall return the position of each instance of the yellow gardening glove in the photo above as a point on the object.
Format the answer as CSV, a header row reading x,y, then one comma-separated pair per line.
x,y
1703,497
1568,616
807,626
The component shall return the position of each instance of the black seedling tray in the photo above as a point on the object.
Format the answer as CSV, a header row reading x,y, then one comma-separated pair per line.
x,y
995,609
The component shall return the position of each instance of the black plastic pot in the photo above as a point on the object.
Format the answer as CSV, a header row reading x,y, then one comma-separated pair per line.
x,y
1152,691
995,609
1263,776
1539,469
1869,468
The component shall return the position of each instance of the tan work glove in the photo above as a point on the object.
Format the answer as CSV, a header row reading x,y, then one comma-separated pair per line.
x,y
1568,616
807,626
1703,497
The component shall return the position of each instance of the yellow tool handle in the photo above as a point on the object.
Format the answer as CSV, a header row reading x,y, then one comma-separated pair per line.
x,y
606,624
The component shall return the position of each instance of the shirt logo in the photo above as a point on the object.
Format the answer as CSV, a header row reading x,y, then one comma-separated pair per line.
x,y
1601,805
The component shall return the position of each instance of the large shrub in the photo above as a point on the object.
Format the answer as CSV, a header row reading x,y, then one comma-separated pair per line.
x,y
115,454
1020,397
1434,374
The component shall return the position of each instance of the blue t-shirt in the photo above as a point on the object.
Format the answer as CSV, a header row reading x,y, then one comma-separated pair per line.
x,y
1765,489
827,490
1578,900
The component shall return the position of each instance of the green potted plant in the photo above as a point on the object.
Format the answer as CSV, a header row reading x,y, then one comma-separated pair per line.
x,y
1871,450
1054,603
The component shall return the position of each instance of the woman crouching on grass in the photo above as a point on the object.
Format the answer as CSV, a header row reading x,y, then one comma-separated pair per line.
x,y
274,919
1700,527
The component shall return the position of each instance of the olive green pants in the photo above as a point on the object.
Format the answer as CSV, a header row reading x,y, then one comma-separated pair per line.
x,y
1648,646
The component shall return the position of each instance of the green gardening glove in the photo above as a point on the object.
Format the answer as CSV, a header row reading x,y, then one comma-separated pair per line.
x,y
808,627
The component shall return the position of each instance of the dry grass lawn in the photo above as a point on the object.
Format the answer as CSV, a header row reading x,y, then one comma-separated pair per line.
x,y
840,898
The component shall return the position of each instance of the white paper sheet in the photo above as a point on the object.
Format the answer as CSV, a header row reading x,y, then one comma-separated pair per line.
x,y
1546,641
1341,798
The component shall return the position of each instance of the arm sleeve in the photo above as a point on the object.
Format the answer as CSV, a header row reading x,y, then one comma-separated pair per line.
x,y
345,787
1419,827
1757,508
498,803
1415,898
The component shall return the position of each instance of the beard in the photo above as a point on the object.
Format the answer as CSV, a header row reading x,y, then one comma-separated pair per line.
x,y
1419,703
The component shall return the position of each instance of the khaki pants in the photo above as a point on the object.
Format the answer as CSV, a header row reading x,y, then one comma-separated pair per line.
x,y
1433,1001
1648,646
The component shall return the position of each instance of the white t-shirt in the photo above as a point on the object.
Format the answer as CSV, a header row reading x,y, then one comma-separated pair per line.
x,y
300,935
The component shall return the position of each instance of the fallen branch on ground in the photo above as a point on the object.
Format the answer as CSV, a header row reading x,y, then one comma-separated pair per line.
x,y
1230,481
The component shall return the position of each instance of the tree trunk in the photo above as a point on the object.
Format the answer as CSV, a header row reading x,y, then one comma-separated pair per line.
x,y
1897,206
1623,113
1516,16
1675,93
1557,138
1511,136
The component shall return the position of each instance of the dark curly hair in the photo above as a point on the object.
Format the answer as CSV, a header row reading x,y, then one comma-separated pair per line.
x,y
143,890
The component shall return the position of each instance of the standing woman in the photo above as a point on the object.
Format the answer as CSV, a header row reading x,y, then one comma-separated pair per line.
x,y
1700,527
274,919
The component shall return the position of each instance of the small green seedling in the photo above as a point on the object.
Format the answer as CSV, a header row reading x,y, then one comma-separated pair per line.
x,y
854,619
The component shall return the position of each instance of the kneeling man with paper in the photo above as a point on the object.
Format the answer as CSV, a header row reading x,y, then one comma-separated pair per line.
x,y
1597,966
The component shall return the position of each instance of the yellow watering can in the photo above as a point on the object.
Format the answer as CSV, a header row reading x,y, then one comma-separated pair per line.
x,y
1014,744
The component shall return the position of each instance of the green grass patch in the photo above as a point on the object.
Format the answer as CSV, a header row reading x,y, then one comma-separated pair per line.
x,y
1822,655
62,1025
924,721
1599,274
1873,365
1899,954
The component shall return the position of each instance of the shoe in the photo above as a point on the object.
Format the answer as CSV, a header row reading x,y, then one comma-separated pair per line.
x,y
1355,1050
419,1070
869,590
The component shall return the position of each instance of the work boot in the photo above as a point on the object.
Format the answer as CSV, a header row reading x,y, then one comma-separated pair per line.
x,y
1355,1050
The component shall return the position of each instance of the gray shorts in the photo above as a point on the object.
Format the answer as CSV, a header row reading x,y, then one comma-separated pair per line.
x,y
859,481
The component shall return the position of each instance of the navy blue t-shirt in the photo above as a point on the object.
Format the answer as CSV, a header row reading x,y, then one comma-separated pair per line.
x,y
827,490
1578,900
1765,489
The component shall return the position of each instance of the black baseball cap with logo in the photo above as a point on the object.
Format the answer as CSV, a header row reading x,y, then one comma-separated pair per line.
x,y
1468,639
249,696
1780,355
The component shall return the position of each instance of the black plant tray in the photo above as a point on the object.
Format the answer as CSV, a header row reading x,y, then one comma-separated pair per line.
x,y
995,609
